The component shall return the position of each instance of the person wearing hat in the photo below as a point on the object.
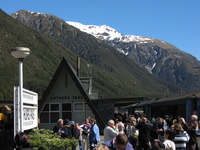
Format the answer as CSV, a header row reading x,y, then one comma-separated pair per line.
x,y
70,127
60,129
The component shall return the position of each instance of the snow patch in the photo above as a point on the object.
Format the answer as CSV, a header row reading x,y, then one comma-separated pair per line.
x,y
105,32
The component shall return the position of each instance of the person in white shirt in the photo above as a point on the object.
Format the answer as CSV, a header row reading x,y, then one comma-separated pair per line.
x,y
168,143
110,131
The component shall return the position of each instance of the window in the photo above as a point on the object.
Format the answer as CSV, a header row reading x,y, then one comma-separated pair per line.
x,y
54,107
50,113
78,107
46,107
66,107
53,111
44,117
67,111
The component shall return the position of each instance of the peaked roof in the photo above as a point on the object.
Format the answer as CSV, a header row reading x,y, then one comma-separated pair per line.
x,y
72,72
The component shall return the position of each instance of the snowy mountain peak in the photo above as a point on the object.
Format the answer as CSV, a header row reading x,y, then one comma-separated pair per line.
x,y
105,32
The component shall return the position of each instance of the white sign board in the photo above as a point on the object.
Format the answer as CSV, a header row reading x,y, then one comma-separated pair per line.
x,y
30,110
30,118
30,97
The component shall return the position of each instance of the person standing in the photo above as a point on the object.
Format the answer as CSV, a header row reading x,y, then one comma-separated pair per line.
x,y
78,136
168,121
181,137
144,134
168,143
94,136
190,128
110,131
121,127
60,129
86,128
132,132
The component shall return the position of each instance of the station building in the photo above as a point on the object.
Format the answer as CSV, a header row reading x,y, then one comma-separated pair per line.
x,y
183,105
70,96
67,97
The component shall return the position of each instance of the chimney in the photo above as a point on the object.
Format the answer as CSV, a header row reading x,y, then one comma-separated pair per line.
x,y
78,66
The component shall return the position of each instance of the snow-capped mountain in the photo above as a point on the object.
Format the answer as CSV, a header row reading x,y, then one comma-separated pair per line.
x,y
105,32
158,57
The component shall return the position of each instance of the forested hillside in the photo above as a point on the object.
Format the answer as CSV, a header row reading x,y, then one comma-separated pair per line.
x,y
113,76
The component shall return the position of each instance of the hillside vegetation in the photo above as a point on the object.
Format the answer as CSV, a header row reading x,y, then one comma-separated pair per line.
x,y
113,74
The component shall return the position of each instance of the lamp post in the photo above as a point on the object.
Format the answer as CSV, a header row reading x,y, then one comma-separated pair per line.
x,y
20,53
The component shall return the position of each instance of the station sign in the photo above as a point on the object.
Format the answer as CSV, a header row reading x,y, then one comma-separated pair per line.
x,y
30,110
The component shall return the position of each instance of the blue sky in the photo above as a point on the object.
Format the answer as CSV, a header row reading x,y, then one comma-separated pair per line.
x,y
173,21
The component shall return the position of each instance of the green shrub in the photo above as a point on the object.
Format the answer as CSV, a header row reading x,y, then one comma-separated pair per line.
x,y
46,140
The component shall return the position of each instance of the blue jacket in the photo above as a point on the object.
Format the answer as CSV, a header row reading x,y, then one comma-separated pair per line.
x,y
111,145
94,136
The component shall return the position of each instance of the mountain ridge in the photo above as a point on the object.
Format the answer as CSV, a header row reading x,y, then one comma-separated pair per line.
x,y
105,32
113,74
149,53
159,58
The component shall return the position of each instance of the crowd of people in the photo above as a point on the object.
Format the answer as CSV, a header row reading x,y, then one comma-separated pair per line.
x,y
170,133
87,134
131,132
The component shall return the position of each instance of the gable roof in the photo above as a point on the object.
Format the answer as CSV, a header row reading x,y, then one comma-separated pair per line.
x,y
72,72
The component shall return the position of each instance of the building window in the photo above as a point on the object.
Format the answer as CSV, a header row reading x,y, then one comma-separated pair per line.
x,y
79,107
67,111
54,107
54,111
44,117
50,113
46,107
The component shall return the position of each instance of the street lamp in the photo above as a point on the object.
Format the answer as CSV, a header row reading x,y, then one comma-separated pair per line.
x,y
20,53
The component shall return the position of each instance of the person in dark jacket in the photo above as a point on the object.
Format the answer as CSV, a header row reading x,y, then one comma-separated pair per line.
x,y
60,129
22,141
119,143
191,130
144,134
